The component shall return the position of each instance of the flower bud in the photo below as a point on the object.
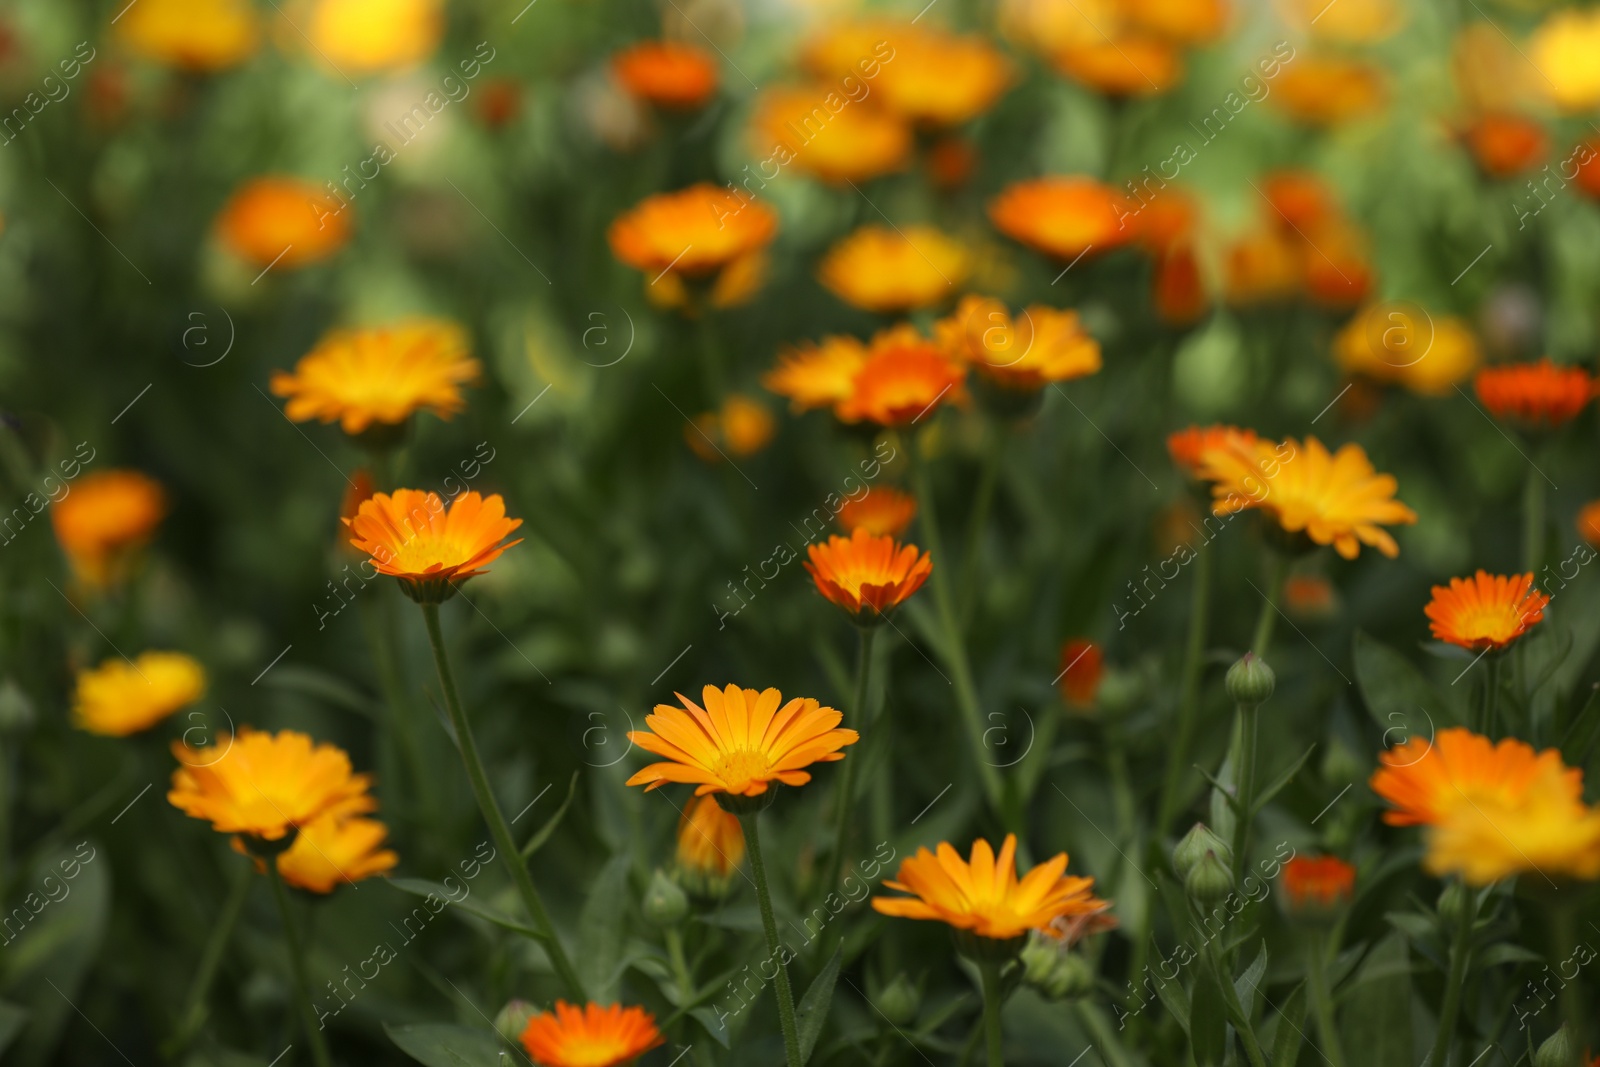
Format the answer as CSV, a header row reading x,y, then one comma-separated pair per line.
x,y
1250,681
665,903
1209,882
1054,970
513,1019
1555,1052
900,1000
1194,846
1453,902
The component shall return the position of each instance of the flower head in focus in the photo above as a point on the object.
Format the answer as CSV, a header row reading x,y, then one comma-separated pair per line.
x,y
1541,394
1485,611
591,1036
669,74
265,784
867,575
120,697
283,223
201,36
411,535
1039,346
882,512
889,270
104,520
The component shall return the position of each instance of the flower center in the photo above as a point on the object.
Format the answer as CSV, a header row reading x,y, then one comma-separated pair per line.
x,y
1492,622
742,766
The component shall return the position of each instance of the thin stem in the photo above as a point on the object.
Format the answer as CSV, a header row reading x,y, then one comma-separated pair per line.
x,y
1460,949
711,372
982,504
1246,1033
194,1005
955,649
847,782
758,871
1574,1008
1277,571
297,964
504,842
1491,696
1189,691
1244,770
990,973
1533,495
380,628
685,979
1322,999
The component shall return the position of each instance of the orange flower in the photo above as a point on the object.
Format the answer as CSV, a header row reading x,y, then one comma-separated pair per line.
x,y
265,785
1188,22
817,375
710,846
877,268
1263,267
122,697
1187,447
1133,65
1082,667
1040,346
984,895
669,74
1308,596
1300,200
1427,354
742,427
413,537
1337,270
794,126
691,232
1328,90
334,849
951,161
931,77
1359,22
1485,611
591,1036
883,512
359,37
740,742
1504,144
865,571
203,36
1318,884
380,375
104,519
1542,393
1426,779
1178,291
283,222
1062,217
499,101
904,378
1589,523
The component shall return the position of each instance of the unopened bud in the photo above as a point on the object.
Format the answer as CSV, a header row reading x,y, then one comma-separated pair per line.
x,y
665,902
900,1000
1194,846
1210,881
1555,1052
513,1019
1453,904
1250,681
1055,970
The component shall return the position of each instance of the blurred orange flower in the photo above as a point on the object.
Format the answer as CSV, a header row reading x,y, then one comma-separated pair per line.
x,y
122,697
1187,22
1039,346
1327,90
1082,667
817,375
793,126
1308,596
1317,884
867,575
741,427
1337,270
591,1036
264,784
1540,394
334,849
1505,144
1424,779
202,36
1136,65
283,222
1063,217
691,232
1485,611
1299,199
104,519
431,549
882,512
905,377
710,846
1356,22
1188,447
1406,345
927,75
1263,267
1589,523
877,268
669,74
358,37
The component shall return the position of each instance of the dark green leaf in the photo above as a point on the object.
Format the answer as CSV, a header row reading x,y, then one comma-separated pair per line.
x,y
1290,1037
323,686
470,904
1400,700
812,1011
11,1019
712,1024
1174,999
1377,1016
1277,784
1248,985
600,930
537,841
1208,1021
1416,926
446,1045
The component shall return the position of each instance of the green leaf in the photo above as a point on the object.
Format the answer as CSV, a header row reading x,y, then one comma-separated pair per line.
x,y
1175,1000
711,1024
600,930
537,841
812,1011
1415,925
471,905
1283,779
1291,1029
1584,731
446,1044
11,1019
323,686
1208,1021
1400,699
1377,1016
1224,791
1248,985
1504,952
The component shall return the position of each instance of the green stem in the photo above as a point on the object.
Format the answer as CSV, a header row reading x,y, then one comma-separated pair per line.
x,y
1533,496
1242,1027
769,925
955,649
685,980
194,1005
1189,691
504,842
1460,949
1277,571
297,965
380,629
711,372
1491,696
1244,769
1574,1009
1322,999
845,801
983,503
990,973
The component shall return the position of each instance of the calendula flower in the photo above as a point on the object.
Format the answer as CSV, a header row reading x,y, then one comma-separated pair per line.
x,y
1327,90
1336,499
1047,26
1063,217
1485,611
669,74
591,1036
1425,779
1082,667
1504,144
1308,596
1317,884
283,223
1540,394
1263,266
1130,65
933,77
1178,290
202,36
1360,22
691,232
1408,346
905,377
1492,73
877,268
1186,22
883,512
1040,346
104,519
1589,523
1188,447
1299,200
867,575
380,374
817,375
264,784
741,427
334,849
710,846
1564,49
120,697
412,536
984,895
793,126
368,36
740,742
1337,270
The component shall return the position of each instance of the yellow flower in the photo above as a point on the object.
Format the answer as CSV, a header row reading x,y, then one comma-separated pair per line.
x,y
412,536
367,36
1407,346
1335,499
380,374
265,785
740,743
710,846
893,270
1566,50
984,895
1187,22
1327,90
742,427
817,375
794,126
119,698
929,76
333,849
1355,22
104,519
1039,346
193,35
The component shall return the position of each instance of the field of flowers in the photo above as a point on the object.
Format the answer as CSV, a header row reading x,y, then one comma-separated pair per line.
x,y
778,532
